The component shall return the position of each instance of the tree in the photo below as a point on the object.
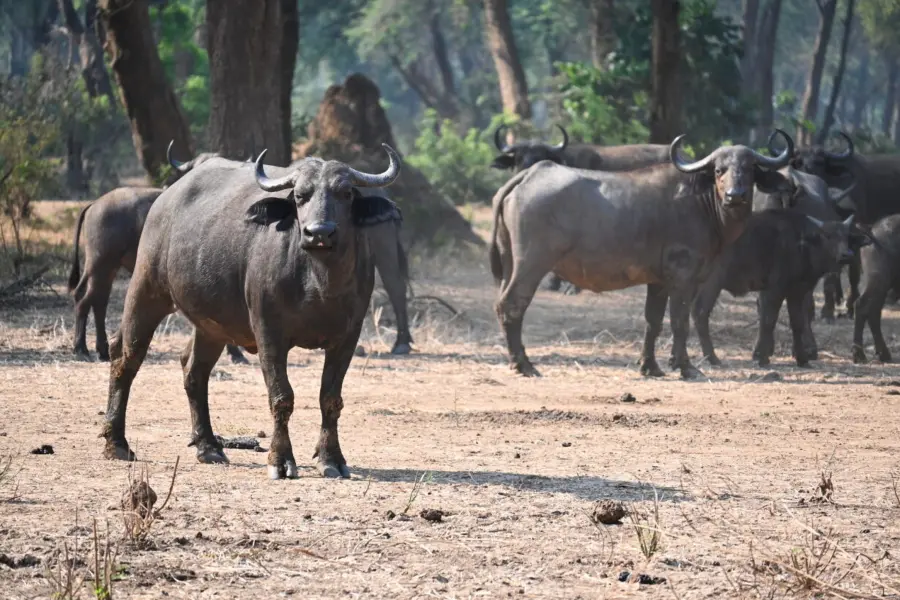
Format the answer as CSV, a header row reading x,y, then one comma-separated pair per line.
x,y
748,61
861,98
665,95
249,48
810,108
838,76
603,38
881,21
153,111
511,75
765,68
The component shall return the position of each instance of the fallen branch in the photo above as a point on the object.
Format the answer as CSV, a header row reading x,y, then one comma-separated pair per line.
x,y
23,283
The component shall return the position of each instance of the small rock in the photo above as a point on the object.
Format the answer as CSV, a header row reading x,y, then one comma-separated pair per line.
x,y
433,515
892,393
887,383
517,455
627,397
640,578
261,434
360,351
220,375
44,449
607,512
441,579
566,444
770,376
181,541
199,535
100,413
2,434
618,417
239,443
390,515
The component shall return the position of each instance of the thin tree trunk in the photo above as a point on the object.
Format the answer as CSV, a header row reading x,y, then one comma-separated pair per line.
x,y
748,61
290,45
665,99
441,56
90,52
896,133
838,76
810,108
511,75
153,110
890,95
601,27
765,68
247,74
862,90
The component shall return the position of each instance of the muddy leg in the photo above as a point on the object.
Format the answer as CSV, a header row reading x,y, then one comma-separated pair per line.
x,y
145,308
510,308
768,306
680,320
197,362
799,325
273,360
701,309
654,311
101,301
237,357
331,461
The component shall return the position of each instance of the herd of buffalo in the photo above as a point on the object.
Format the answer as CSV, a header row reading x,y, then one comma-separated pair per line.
x,y
271,258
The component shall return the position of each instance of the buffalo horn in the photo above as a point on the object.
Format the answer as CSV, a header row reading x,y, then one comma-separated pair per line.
x,y
815,221
842,194
565,142
846,154
694,167
780,160
849,221
501,146
178,166
272,185
361,179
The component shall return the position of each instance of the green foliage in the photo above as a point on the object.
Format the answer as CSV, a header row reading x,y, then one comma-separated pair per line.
x,y
881,22
458,166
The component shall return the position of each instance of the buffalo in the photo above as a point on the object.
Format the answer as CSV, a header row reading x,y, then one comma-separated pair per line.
x,y
661,226
880,273
265,261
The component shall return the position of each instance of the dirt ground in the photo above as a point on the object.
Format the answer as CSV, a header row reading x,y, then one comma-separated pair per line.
x,y
722,473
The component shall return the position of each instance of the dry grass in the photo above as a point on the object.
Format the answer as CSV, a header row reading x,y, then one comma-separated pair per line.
x,y
9,485
70,573
137,504
647,526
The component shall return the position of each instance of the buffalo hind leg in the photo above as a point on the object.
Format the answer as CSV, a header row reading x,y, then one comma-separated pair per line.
x,y
197,362
387,261
680,321
768,305
853,274
237,357
84,299
511,307
797,314
331,462
654,312
809,339
830,284
145,309
701,309
101,301
881,348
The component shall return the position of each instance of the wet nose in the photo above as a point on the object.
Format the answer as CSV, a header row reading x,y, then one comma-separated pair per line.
x,y
733,193
319,234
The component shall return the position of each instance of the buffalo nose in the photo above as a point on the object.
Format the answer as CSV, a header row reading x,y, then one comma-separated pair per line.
x,y
734,193
320,229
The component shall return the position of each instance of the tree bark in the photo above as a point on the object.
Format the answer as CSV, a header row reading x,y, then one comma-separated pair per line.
x,y
511,75
601,28
90,52
290,45
748,61
862,91
838,76
665,99
247,73
153,110
890,96
765,68
810,109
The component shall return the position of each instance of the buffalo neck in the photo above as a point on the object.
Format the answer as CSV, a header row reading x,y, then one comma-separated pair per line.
x,y
725,226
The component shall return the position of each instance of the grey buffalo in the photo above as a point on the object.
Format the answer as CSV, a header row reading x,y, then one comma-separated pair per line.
x,y
265,261
661,226
524,154
880,273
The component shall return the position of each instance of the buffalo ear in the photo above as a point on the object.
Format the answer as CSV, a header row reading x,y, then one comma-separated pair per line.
x,y
504,161
271,210
772,182
373,210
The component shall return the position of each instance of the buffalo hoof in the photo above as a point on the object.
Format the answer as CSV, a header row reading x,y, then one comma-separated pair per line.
x,y
239,359
649,368
212,456
859,355
572,291
690,372
82,355
287,469
803,364
333,470
119,452
400,349
884,357
103,356
762,361
525,369
713,360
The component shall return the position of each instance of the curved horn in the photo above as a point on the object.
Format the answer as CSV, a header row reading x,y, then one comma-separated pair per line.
x,y
684,167
361,179
842,194
501,146
815,221
849,220
565,142
846,154
178,166
272,185
780,160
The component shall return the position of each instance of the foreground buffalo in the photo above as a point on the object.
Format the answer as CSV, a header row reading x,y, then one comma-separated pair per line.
x,y
269,264
782,254
880,273
660,226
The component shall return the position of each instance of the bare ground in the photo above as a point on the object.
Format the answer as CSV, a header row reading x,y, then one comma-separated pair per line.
x,y
515,465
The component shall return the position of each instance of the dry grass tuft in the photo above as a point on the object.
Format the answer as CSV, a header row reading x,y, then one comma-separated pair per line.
x,y
825,489
647,526
70,574
137,504
9,486
420,483
895,487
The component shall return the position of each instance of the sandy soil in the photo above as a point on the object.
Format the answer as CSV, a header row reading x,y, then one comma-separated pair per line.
x,y
516,465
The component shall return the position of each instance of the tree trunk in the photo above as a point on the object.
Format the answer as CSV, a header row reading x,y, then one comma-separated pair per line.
x,y
765,68
153,111
247,73
511,75
665,99
862,91
814,81
90,52
838,76
896,133
890,94
748,61
290,45
441,56
603,39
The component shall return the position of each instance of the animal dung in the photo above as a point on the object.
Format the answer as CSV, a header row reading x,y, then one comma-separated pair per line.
x,y
43,449
607,512
239,443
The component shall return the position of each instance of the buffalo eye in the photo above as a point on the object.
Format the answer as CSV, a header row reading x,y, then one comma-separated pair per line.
x,y
347,194
303,197
719,171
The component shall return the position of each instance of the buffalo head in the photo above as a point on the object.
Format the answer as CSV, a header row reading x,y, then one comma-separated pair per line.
x,y
837,240
324,198
833,167
735,170
522,155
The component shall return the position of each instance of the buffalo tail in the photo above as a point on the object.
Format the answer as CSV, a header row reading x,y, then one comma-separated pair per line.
x,y
75,273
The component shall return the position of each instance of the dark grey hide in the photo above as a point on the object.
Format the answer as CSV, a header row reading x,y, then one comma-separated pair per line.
x,y
267,262
880,274
661,226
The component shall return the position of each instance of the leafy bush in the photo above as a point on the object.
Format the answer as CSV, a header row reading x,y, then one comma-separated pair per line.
x,y
458,166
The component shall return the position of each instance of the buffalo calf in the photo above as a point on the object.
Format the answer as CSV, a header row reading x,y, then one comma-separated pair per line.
x,y
880,273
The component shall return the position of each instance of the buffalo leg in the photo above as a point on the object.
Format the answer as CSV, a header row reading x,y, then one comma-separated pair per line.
x,y
830,292
83,301
273,360
680,320
145,309
799,324
768,306
237,357
331,461
853,273
197,363
860,318
387,262
511,307
101,301
702,308
554,282
809,339
654,312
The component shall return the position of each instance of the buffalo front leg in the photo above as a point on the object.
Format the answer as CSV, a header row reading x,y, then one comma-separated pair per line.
x,y
654,312
829,288
881,348
395,286
768,306
511,307
799,325
197,363
680,320
331,462
273,360
237,357
854,270
701,309
101,301
809,339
